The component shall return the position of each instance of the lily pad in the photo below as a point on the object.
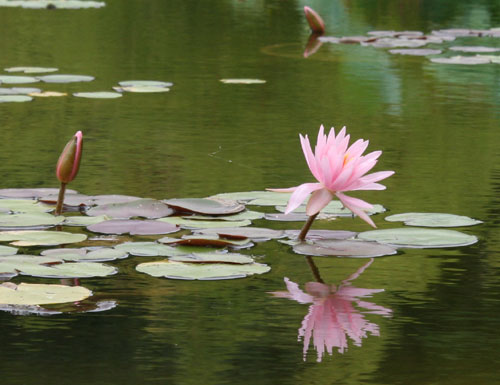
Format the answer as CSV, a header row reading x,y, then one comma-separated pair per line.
x,y
344,248
133,227
40,238
31,193
201,271
254,233
48,94
145,83
142,89
243,81
322,234
195,224
467,60
15,98
419,238
247,196
388,42
7,250
11,79
149,249
110,198
206,241
247,214
214,258
205,206
23,206
492,58
29,221
335,207
290,217
98,95
416,51
14,264
69,270
84,221
476,49
40,294
66,78
31,70
83,254
18,90
433,220
146,208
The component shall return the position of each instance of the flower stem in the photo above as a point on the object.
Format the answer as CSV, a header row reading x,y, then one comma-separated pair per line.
x,y
307,226
314,269
60,199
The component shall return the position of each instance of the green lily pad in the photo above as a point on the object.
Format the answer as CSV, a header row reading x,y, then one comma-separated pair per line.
x,y
194,224
133,227
40,238
344,248
145,83
84,221
247,196
415,51
475,49
142,89
255,233
18,91
29,221
433,220
40,294
15,98
69,270
243,81
31,70
247,214
206,241
48,94
146,208
419,238
492,58
201,271
60,78
11,79
23,206
30,193
290,217
322,234
98,95
214,258
14,264
205,206
149,249
7,250
83,254
467,60
335,207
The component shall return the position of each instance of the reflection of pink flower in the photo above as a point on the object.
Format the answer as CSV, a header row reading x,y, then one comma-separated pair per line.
x,y
332,316
337,169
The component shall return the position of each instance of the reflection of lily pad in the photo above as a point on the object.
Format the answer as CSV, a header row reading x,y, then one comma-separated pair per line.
x,y
146,208
214,257
29,221
195,224
254,233
133,227
243,81
416,237
11,79
98,255
31,70
433,220
39,294
40,238
98,95
344,248
205,206
149,249
65,78
201,271
15,98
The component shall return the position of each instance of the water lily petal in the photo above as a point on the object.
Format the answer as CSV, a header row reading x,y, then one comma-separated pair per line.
x,y
319,199
356,206
300,195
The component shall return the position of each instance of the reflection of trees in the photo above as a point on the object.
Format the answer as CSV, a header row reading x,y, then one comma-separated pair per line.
x,y
332,316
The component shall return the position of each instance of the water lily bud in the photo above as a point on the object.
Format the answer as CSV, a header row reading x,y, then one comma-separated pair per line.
x,y
69,161
315,21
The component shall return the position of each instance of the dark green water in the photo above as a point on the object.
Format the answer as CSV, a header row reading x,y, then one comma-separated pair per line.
x,y
438,126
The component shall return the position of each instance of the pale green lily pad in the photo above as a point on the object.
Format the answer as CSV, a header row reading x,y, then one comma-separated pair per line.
x,y
243,81
214,258
205,206
98,95
133,227
492,58
467,60
344,248
52,4
195,224
335,207
475,49
433,220
247,196
146,208
415,51
18,90
254,233
15,98
40,294
201,271
84,221
145,83
142,89
31,70
69,270
60,78
23,206
30,193
149,249
14,264
29,221
419,238
83,254
247,214
12,79
40,238
7,250
206,241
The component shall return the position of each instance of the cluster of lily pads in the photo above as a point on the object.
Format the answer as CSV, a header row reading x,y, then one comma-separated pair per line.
x,y
195,238
26,94
52,4
411,43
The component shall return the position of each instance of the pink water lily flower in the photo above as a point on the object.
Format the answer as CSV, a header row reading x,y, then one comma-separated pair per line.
x,y
337,168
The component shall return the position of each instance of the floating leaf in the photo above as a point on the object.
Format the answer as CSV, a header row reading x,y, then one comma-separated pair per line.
x,y
149,249
214,258
344,248
291,217
201,271
14,264
335,207
15,98
457,32
207,240
40,294
40,238
477,49
7,250
416,51
11,79
433,220
396,42
134,227
145,83
69,270
247,196
65,78
195,224
205,206
254,233
18,91
108,199
23,206
83,254
142,89
30,70
242,81
247,214
467,60
98,95
146,208
29,221
47,94
492,58
322,234
420,238
84,221
31,193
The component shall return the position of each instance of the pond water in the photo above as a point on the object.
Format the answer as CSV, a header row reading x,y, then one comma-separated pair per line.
x,y
436,319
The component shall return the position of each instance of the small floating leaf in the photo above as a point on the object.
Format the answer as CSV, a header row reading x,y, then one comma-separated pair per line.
x,y
395,43
344,248
247,214
146,208
84,221
23,206
467,60
205,206
195,224
254,233
69,270
65,78
214,257
98,95
39,294
247,196
322,234
145,83
243,81
201,271
416,51
149,249
492,58
433,220
134,227
40,238
15,98
11,79
206,241
477,49
142,89
335,207
416,237
31,70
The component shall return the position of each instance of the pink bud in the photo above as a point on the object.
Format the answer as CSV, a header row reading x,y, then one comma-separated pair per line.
x,y
315,21
69,161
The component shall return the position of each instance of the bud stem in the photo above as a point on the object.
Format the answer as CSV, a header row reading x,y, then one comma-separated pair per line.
x,y
314,269
60,199
307,226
